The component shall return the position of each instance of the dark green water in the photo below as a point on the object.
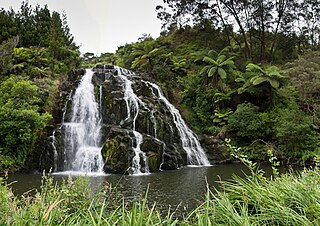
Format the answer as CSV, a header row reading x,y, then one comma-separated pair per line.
x,y
184,188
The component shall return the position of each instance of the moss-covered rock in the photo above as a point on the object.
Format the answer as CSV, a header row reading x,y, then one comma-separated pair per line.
x,y
161,140
117,151
154,149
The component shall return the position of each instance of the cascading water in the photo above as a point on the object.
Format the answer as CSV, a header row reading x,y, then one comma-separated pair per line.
x,y
53,144
195,153
141,123
133,104
82,152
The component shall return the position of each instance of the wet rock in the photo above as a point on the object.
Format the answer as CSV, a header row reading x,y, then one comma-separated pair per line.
x,y
154,149
117,152
161,140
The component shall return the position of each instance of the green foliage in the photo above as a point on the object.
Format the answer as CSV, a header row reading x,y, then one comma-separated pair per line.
x,y
293,132
270,75
219,66
20,120
6,50
36,54
75,203
263,31
287,199
246,122
36,27
221,116
304,74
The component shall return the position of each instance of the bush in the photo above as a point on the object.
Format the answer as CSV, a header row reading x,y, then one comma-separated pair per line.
x,y
246,122
293,132
20,120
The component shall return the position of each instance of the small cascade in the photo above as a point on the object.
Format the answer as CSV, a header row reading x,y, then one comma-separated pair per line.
x,y
195,153
81,151
54,147
133,104
154,122
100,96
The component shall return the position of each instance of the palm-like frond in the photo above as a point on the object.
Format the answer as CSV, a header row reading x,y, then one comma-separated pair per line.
x,y
255,68
209,60
222,73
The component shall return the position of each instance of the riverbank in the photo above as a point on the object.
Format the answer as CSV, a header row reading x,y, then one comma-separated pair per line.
x,y
289,199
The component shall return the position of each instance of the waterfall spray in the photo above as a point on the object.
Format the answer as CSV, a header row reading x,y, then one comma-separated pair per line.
x,y
82,134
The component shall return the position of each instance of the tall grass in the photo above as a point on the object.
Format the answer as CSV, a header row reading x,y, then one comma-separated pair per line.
x,y
285,200
74,203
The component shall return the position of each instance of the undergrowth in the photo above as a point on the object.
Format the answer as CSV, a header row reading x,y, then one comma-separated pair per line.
x,y
287,199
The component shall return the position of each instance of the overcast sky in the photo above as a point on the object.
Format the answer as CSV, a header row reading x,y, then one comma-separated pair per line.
x,y
100,26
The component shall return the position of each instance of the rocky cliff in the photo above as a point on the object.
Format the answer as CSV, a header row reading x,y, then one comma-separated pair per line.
x,y
160,139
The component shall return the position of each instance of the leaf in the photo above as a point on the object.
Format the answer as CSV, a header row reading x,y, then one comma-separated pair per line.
x,y
228,62
19,66
154,51
204,70
225,50
221,59
210,61
254,67
213,54
241,90
258,80
222,73
274,83
212,71
239,79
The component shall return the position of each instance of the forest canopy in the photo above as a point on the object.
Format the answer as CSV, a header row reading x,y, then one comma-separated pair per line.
x,y
37,53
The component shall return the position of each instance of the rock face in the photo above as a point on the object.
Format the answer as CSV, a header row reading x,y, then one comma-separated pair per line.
x,y
140,131
160,140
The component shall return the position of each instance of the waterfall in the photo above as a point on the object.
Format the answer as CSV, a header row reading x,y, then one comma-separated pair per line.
x,y
55,152
129,128
190,143
133,103
82,152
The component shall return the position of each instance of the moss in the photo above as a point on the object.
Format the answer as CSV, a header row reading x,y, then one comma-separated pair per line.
x,y
97,92
160,126
109,151
153,162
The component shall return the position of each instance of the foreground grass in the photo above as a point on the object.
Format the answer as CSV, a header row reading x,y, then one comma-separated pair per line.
x,y
286,200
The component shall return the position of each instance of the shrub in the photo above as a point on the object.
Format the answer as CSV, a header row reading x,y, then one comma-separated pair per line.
x,y
246,122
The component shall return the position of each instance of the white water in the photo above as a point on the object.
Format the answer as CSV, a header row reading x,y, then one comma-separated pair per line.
x,y
55,153
154,122
82,152
133,103
195,153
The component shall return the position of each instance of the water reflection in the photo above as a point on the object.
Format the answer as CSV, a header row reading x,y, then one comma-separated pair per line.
x,y
183,188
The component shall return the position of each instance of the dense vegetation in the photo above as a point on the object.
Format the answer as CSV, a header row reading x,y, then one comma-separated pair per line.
x,y
282,200
36,54
247,70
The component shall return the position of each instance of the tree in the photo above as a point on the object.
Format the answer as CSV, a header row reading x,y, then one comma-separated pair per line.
x,y
261,82
6,55
20,120
253,25
308,21
218,66
304,76
147,55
